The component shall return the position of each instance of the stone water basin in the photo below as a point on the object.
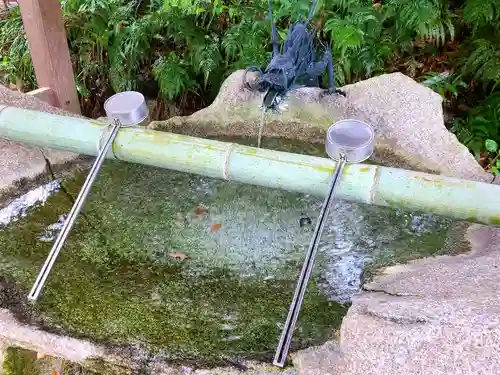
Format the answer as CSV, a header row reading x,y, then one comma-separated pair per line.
x,y
195,269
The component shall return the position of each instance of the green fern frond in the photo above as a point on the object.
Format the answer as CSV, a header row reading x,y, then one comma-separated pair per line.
x,y
188,7
172,76
181,29
206,58
344,33
427,19
232,42
343,7
247,44
120,75
482,13
372,57
484,61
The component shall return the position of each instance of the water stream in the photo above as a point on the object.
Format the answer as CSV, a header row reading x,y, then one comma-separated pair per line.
x,y
193,266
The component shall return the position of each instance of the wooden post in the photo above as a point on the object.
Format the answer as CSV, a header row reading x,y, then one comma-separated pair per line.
x,y
44,27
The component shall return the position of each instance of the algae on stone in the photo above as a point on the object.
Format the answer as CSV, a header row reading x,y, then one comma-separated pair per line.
x,y
19,361
115,282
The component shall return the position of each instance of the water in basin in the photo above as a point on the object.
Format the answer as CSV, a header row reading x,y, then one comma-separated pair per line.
x,y
191,267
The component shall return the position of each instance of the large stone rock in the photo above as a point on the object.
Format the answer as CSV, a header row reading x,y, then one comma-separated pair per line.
x,y
431,316
407,118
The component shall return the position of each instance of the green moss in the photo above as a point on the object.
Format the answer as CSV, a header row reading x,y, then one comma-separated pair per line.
x,y
446,239
114,281
428,244
20,361
472,219
97,366
495,220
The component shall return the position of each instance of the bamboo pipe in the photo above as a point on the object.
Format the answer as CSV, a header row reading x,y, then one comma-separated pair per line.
x,y
397,188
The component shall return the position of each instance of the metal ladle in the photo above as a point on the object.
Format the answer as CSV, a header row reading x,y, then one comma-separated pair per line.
x,y
124,109
347,141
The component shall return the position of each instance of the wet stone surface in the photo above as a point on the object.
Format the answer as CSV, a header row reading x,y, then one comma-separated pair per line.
x,y
194,268
19,361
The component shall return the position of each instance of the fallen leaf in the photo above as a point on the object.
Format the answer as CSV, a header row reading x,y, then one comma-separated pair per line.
x,y
55,372
201,210
215,227
177,255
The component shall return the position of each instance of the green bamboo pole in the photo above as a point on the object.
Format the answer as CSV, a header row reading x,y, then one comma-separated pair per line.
x,y
398,188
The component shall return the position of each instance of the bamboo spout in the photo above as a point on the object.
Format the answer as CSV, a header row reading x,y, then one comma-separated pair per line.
x,y
398,188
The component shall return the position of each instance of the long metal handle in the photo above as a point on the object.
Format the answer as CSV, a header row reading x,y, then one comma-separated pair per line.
x,y
70,220
305,274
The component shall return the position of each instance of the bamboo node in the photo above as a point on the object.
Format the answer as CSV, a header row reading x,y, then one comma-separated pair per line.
x,y
104,133
225,168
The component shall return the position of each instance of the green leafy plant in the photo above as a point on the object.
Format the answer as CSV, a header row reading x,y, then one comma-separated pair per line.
x,y
445,84
482,48
428,20
361,45
482,14
483,63
481,124
494,164
16,66
172,74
